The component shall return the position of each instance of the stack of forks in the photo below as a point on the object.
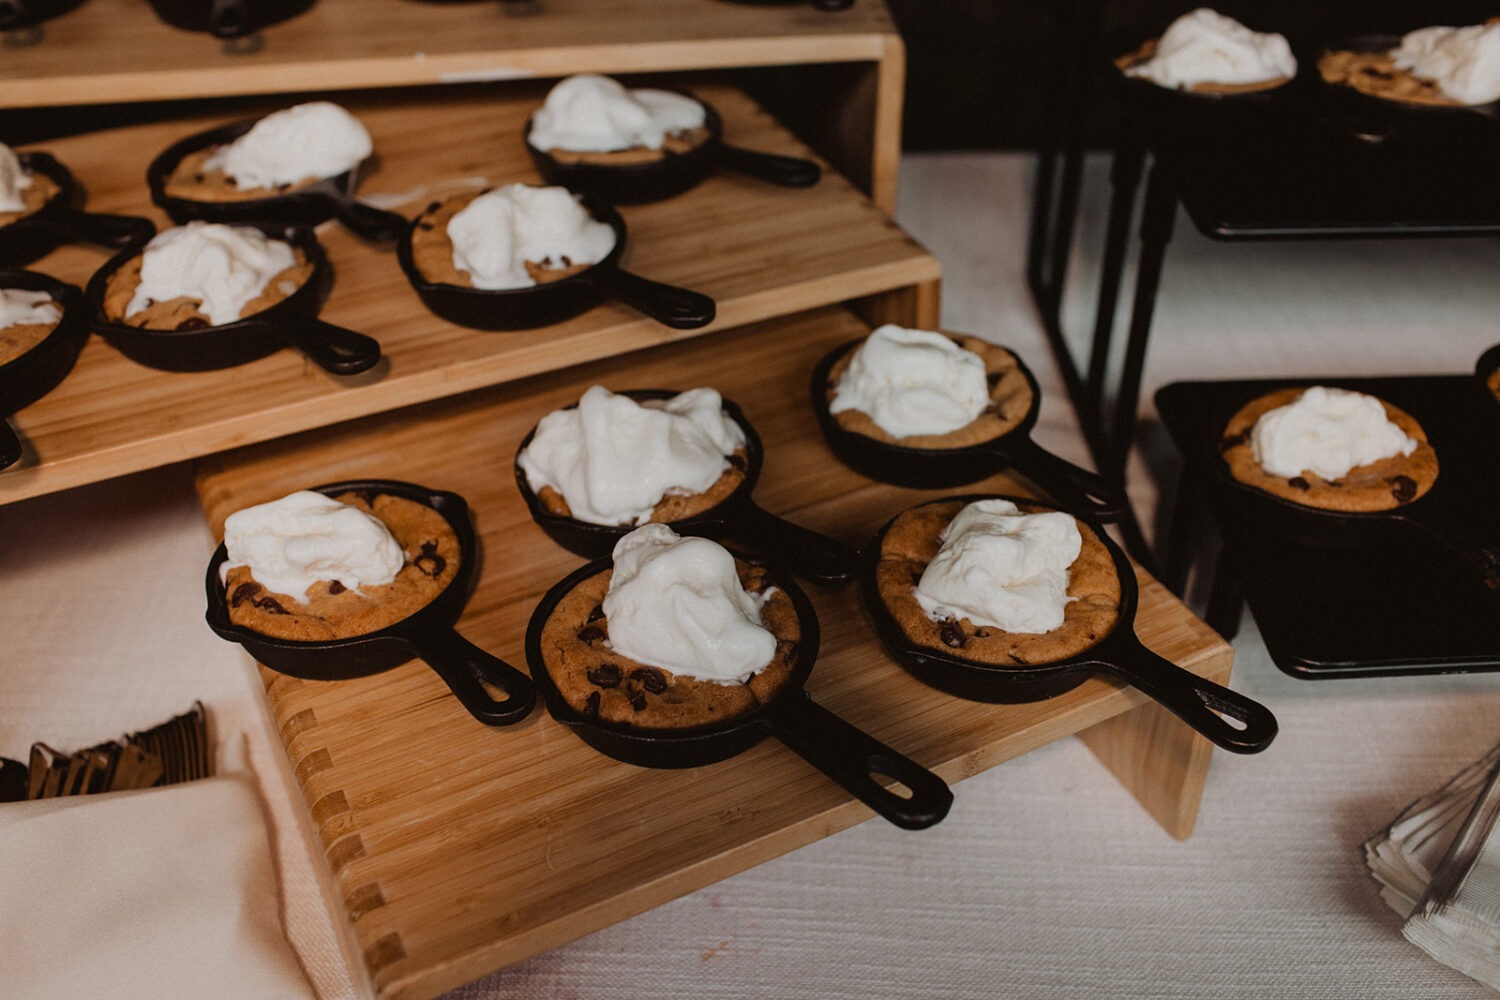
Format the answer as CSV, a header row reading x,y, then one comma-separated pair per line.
x,y
174,751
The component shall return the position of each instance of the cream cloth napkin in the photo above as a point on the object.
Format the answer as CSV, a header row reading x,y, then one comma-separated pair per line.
x,y
164,893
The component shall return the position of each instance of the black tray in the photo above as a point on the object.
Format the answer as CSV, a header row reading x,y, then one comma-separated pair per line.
x,y
1392,604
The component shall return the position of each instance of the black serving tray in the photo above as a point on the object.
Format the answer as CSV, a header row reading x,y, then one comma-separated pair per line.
x,y
1386,604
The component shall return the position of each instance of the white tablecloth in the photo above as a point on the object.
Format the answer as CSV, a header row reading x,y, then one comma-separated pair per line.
x,y
1046,880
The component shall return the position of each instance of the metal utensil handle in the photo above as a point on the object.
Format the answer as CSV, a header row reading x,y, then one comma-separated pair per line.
x,y
1071,485
1201,703
787,171
852,758
810,555
678,308
334,349
10,445
466,669
367,221
116,231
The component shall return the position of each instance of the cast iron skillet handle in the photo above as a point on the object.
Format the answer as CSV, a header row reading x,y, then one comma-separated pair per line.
x,y
1198,702
814,557
676,307
334,349
367,221
1071,485
788,171
228,18
466,668
852,758
116,231
833,5
10,445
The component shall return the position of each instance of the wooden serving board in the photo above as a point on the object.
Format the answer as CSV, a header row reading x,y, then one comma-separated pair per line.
x,y
458,849
757,249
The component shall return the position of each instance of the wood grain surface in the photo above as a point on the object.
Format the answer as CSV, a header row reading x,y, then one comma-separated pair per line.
x,y
757,249
107,51
459,849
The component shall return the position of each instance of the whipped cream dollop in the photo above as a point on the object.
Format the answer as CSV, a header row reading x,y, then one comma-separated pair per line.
x,y
1001,567
318,139
23,307
225,267
595,114
912,382
613,459
1204,46
677,603
13,180
1328,432
1464,62
499,231
292,543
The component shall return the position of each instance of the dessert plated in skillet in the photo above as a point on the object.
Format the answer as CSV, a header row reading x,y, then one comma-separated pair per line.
x,y
1433,67
23,191
676,633
310,567
1329,448
43,327
1049,586
203,274
27,317
1204,52
594,119
929,390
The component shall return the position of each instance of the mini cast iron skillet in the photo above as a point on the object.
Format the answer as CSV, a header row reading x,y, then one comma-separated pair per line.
x,y
939,468
328,198
57,222
1378,118
556,301
31,376
292,322
636,183
426,633
1196,701
227,18
843,752
812,556
1177,110
1444,515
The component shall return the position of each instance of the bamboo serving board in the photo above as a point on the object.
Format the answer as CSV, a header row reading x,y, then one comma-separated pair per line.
x,y
458,849
757,249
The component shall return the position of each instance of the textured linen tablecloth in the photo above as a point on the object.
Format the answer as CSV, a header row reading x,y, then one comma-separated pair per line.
x,y
1047,879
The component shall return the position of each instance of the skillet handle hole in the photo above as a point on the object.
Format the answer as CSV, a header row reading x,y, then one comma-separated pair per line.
x,y
1232,715
891,783
497,692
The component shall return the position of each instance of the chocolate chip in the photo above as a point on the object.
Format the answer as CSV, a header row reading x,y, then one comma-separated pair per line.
x,y
952,635
738,461
336,588
1021,660
194,323
916,577
590,634
426,227
993,379
243,593
605,675
597,613
283,187
638,700
1297,482
591,705
981,633
1234,440
650,678
786,649
199,178
429,561
566,260
432,207
270,604
231,182
1404,489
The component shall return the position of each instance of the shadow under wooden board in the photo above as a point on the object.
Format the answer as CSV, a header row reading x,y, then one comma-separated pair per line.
x,y
459,849
758,250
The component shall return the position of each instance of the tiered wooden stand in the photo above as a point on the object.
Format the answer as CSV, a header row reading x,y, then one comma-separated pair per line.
x,y
456,849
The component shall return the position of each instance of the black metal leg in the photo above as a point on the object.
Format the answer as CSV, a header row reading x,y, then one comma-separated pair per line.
x,y
1125,176
1156,232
